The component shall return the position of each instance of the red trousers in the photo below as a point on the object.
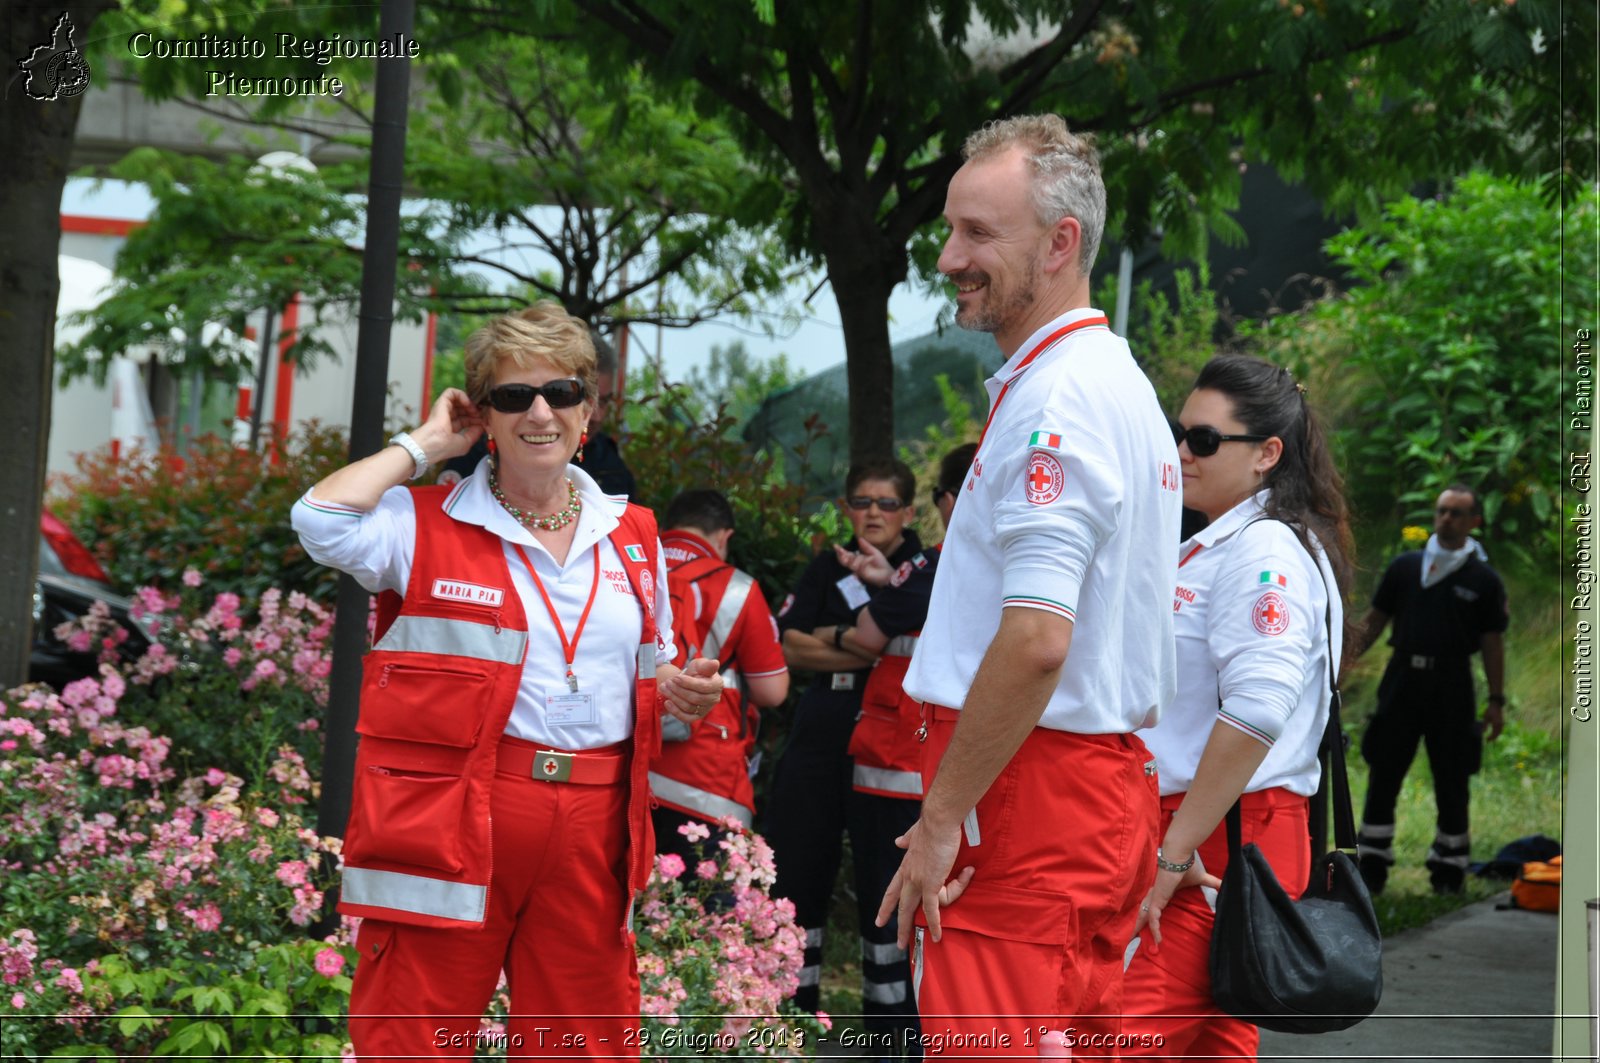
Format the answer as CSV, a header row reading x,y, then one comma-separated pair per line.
x,y
557,902
1066,840
1168,994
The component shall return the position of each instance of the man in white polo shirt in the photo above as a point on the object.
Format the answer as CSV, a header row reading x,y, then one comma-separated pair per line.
x,y
1049,634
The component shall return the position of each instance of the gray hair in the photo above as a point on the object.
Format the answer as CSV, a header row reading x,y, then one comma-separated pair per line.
x,y
1066,167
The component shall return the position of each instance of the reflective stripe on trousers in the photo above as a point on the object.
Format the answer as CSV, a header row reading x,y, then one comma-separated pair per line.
x,y
414,893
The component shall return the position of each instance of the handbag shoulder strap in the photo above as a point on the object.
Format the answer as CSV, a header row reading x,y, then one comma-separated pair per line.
x,y
1331,750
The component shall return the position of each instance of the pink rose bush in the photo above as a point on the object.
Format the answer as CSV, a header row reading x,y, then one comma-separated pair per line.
x,y
159,878
718,956
131,868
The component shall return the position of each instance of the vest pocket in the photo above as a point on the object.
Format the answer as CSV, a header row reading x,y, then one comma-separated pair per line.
x,y
423,702
407,818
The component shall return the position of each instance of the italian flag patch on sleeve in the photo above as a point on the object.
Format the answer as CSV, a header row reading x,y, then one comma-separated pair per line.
x,y
635,553
1045,439
1277,579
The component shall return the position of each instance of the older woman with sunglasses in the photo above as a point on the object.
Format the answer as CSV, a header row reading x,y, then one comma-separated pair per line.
x,y
510,704
1258,621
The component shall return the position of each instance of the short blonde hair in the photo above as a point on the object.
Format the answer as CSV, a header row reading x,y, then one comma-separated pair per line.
x,y
1066,172
544,332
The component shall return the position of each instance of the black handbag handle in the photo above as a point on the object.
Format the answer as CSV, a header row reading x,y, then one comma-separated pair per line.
x,y
1330,753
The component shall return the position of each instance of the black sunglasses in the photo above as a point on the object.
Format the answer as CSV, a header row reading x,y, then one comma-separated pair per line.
x,y
1204,440
558,394
863,502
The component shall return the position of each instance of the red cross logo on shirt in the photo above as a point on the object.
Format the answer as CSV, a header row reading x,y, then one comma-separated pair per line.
x,y
1045,478
1270,614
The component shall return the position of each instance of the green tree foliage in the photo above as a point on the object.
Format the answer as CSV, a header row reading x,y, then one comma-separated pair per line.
x,y
862,106
734,383
621,206
1442,363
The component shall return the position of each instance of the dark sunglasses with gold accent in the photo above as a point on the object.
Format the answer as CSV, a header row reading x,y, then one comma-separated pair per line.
x,y
558,394
1204,440
860,503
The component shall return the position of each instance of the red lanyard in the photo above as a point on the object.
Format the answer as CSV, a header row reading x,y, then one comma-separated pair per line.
x,y
1033,355
568,649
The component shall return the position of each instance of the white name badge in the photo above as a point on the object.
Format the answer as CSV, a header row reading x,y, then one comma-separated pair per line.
x,y
562,709
855,592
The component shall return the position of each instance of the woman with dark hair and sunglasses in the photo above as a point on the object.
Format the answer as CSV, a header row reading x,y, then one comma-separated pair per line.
x,y
510,705
1257,604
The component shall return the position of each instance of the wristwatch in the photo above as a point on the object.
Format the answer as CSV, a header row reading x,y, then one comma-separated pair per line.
x,y
838,635
419,457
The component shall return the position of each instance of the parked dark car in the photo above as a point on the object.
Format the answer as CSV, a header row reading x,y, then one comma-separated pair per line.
x,y
70,581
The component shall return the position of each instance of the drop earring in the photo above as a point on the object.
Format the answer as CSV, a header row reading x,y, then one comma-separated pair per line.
x,y
582,439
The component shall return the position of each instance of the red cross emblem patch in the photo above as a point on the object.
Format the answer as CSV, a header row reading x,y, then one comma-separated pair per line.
x,y
647,590
550,767
1270,614
1045,478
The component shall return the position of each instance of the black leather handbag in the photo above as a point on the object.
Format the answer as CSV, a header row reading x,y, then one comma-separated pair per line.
x,y
1311,965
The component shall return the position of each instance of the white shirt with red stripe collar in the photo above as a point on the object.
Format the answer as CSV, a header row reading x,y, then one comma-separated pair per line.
x,y
1071,506
1249,613
377,547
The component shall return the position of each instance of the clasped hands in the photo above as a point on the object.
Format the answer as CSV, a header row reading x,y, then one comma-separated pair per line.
x,y
692,692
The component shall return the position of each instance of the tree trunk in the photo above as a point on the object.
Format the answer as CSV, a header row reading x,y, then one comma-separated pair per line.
x,y
37,135
864,266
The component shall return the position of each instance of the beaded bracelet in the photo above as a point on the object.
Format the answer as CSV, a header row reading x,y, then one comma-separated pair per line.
x,y
1167,865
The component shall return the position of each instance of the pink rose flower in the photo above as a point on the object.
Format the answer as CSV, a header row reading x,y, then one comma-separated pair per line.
x,y
329,962
191,577
669,865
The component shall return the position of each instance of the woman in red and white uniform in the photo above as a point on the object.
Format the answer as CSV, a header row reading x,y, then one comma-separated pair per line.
x,y
1257,589
510,705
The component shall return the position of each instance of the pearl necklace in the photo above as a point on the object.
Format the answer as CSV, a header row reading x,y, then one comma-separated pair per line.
x,y
540,521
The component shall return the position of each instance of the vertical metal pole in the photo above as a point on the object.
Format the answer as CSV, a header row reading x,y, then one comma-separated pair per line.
x,y
1124,292
380,264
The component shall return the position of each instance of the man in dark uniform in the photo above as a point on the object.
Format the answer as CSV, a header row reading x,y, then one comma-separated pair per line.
x,y
806,811
886,750
1447,604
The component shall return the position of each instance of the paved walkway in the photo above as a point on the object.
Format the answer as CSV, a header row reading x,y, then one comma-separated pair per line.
x,y
1476,984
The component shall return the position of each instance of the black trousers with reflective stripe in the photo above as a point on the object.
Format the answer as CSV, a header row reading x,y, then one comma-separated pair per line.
x,y
889,1006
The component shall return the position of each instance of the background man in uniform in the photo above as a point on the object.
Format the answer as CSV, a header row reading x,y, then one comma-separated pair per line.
x,y
1447,604
886,753
703,772
807,805
1049,634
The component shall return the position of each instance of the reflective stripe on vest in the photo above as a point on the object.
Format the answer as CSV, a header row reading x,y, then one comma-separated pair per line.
x,y
458,638
712,806
733,599
646,661
901,646
414,893
889,780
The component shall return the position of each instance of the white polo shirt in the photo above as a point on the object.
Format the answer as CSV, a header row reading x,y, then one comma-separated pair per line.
x,y
1249,615
1071,506
376,548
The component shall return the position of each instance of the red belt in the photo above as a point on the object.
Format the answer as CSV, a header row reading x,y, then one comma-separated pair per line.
x,y
592,767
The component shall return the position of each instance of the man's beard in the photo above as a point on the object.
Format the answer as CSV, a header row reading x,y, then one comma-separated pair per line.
x,y
994,314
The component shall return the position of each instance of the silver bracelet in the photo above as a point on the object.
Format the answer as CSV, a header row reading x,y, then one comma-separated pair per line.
x,y
419,456
1167,865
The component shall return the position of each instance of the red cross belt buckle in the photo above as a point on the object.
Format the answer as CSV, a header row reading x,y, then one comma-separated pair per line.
x,y
552,767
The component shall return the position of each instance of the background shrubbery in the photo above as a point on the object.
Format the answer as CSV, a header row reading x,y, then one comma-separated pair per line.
x,y
215,507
